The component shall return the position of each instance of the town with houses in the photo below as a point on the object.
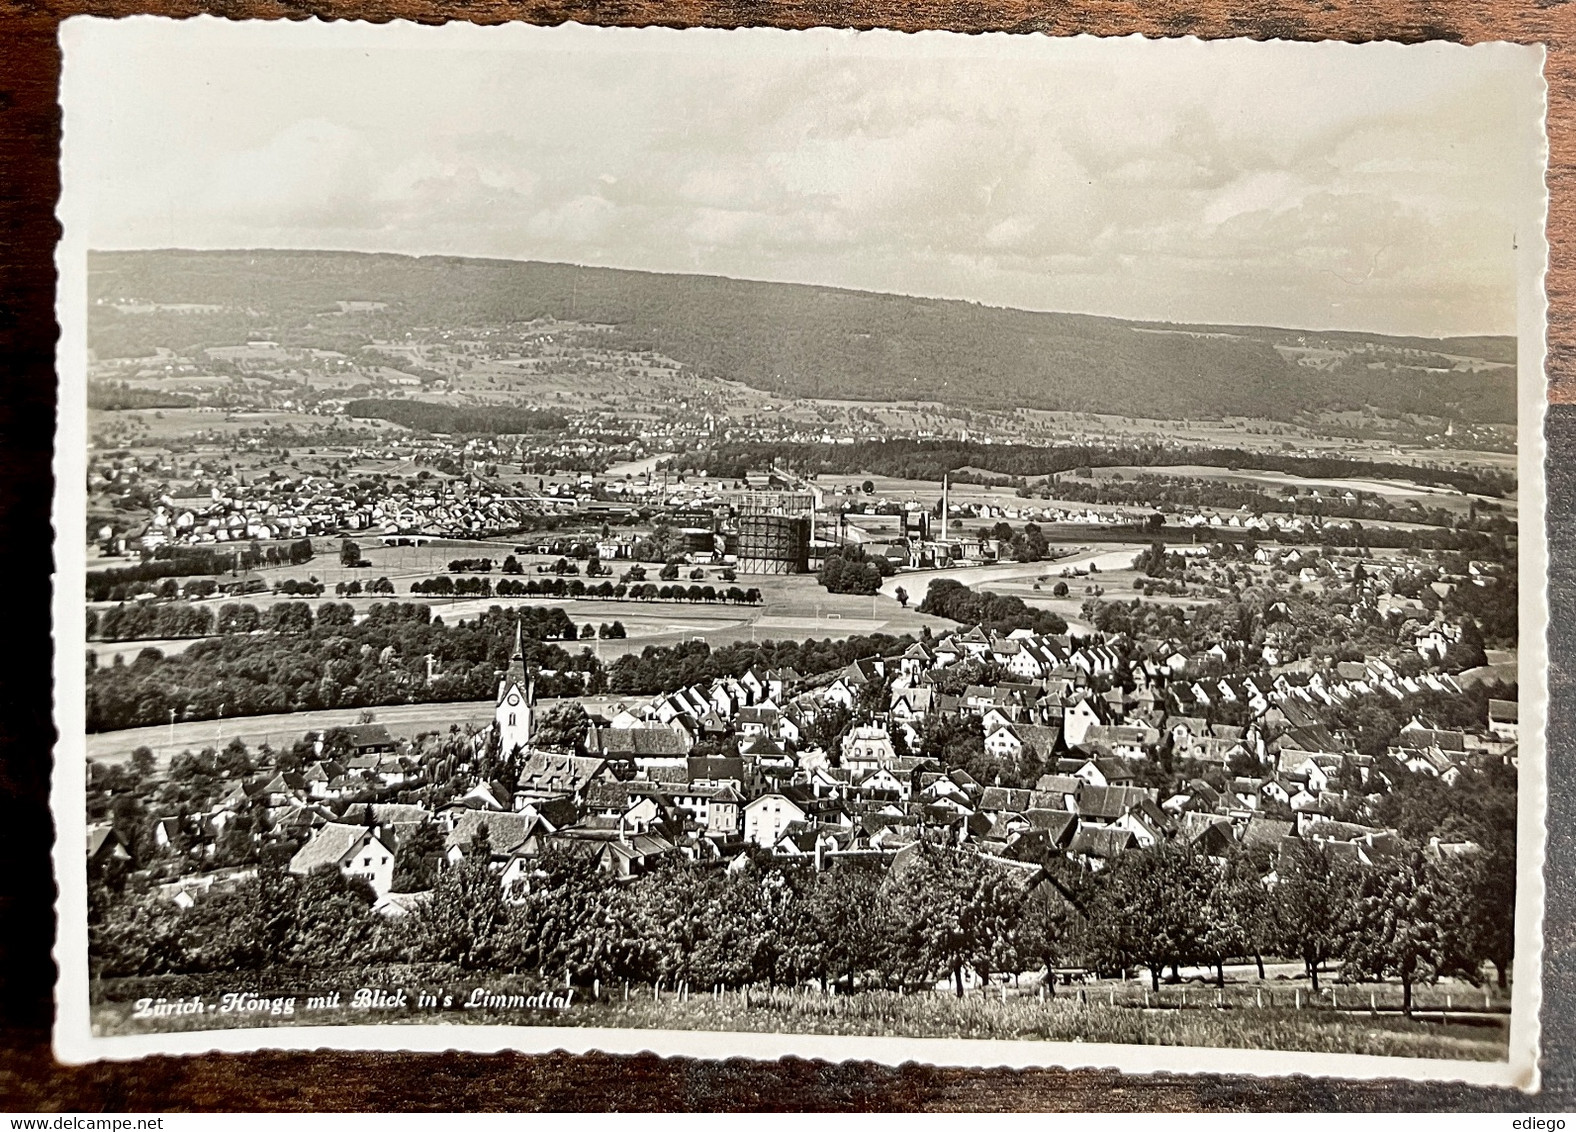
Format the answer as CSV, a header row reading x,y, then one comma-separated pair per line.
x,y
706,773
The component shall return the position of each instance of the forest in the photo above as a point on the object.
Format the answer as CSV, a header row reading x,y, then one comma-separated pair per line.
x,y
426,416
320,659
788,339
997,613
111,396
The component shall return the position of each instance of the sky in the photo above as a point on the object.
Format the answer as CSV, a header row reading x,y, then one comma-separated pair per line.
x,y
1379,187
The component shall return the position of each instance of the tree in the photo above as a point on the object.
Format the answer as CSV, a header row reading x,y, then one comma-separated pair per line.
x,y
349,553
827,728
333,923
868,488
1398,928
1312,899
143,762
1149,909
1237,914
847,570
1153,561
1485,885
562,726
951,911
844,916
417,858
576,920
465,920
1045,929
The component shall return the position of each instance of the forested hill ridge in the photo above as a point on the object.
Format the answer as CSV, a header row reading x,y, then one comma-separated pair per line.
x,y
795,340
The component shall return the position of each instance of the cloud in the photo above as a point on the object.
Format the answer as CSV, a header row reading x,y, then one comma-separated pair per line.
x,y
1243,182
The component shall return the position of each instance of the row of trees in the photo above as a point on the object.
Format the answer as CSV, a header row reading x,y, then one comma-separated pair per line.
x,y
148,620
1413,917
354,588
937,913
445,586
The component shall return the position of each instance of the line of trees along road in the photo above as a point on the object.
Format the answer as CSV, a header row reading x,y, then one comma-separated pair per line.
x,y
937,914
575,588
119,583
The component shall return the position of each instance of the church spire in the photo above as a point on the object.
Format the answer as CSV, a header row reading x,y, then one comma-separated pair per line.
x,y
515,677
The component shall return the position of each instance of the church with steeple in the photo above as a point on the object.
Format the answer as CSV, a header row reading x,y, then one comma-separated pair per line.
x,y
516,704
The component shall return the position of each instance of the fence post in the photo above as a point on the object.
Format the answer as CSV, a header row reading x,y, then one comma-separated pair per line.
x,y
1299,998
626,990
1146,998
1373,1003
1335,1003
596,988
1259,994
1113,996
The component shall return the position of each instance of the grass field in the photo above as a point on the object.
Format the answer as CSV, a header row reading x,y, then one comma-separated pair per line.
x,y
1106,1014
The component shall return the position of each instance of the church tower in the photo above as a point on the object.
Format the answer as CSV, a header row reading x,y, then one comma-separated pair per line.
x,y
516,703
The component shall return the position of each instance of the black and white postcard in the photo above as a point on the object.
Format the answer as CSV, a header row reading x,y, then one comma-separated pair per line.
x,y
984,550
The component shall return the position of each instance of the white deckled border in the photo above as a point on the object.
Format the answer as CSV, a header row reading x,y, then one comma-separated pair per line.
x,y
73,1039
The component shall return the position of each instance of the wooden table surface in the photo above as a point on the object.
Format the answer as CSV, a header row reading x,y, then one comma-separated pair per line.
x,y
30,1079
